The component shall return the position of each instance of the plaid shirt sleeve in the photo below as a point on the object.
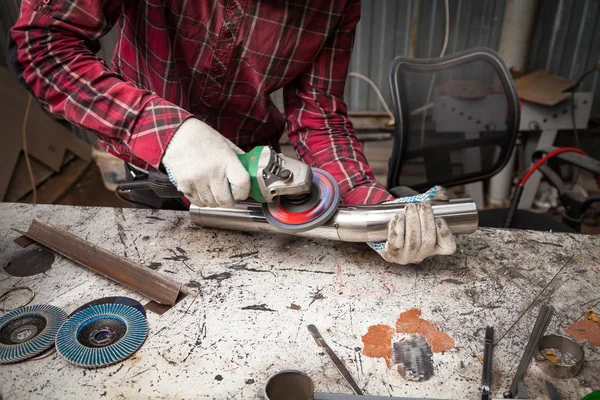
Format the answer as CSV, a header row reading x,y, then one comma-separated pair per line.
x,y
56,43
319,127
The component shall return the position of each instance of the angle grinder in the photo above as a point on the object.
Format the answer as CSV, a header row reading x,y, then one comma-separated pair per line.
x,y
294,196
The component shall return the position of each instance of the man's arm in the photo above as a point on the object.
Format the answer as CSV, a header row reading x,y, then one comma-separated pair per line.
x,y
56,44
324,137
319,127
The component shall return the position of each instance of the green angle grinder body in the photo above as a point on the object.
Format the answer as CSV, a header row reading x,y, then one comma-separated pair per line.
x,y
306,211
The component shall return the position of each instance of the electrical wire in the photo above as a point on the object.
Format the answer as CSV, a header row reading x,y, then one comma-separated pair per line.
x,y
514,203
442,54
26,152
377,91
446,29
24,137
118,190
575,132
426,106
545,158
579,81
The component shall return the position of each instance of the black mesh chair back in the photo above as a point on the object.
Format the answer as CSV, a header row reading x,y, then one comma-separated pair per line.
x,y
456,117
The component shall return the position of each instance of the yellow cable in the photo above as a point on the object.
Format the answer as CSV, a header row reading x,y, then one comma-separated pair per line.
x,y
25,153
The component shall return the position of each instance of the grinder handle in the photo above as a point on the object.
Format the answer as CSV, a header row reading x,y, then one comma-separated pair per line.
x,y
156,181
250,162
160,183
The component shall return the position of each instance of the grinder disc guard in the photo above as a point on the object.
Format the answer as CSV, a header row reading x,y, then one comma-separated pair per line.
x,y
307,211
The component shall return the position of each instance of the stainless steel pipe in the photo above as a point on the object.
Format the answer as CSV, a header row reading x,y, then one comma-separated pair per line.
x,y
349,224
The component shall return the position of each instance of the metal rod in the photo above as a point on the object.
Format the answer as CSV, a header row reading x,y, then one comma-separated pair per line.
x,y
486,375
335,359
348,224
539,328
119,269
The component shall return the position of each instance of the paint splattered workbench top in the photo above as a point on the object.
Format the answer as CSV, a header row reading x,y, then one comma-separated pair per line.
x,y
252,296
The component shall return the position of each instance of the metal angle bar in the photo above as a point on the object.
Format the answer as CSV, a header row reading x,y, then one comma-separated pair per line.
x,y
539,328
117,268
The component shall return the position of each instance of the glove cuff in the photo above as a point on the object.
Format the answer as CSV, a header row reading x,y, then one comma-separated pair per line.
x,y
190,131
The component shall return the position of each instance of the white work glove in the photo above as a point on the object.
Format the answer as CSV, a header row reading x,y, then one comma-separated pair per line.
x,y
415,234
204,166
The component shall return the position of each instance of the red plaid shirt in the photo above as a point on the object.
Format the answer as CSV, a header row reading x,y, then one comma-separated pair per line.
x,y
216,60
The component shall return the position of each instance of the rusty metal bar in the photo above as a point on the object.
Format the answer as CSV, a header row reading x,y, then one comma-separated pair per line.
x,y
117,268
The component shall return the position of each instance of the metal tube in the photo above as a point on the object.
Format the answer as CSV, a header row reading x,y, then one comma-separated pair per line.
x,y
348,224
517,27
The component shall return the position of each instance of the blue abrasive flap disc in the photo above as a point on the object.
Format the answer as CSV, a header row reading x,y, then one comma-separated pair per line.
x,y
101,335
29,331
113,299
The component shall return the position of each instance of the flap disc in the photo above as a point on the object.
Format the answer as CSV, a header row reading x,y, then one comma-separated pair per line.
x,y
29,331
113,300
101,335
307,211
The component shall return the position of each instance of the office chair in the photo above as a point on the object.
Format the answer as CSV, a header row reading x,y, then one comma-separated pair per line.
x,y
456,122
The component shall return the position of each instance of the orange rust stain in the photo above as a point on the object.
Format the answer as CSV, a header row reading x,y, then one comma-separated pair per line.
x,y
377,343
587,330
411,322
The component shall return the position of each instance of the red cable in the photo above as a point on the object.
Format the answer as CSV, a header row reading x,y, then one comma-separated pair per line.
x,y
548,156
514,203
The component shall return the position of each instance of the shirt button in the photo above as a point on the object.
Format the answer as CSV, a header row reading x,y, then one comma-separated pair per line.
x,y
228,34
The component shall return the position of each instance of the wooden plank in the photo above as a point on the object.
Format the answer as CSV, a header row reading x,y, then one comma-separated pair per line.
x,y
55,187
20,184
541,87
47,139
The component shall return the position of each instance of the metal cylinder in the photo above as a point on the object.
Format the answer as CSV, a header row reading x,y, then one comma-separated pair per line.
x,y
569,354
348,224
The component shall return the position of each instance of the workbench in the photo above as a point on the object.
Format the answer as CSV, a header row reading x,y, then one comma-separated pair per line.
x,y
251,297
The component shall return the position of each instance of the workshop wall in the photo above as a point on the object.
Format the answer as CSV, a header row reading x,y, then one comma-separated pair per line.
x,y
565,38
566,41
391,28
